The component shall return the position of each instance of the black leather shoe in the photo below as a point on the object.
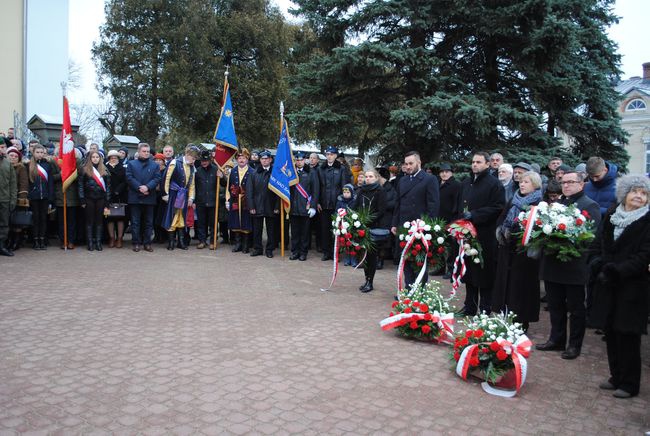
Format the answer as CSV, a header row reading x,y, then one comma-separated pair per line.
x,y
5,252
302,257
256,253
269,254
549,346
607,386
294,256
326,257
571,353
367,287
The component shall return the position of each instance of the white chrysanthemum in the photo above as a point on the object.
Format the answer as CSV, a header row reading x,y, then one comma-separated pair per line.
x,y
436,228
547,229
337,232
427,228
440,240
334,223
346,225
467,247
357,224
401,237
343,231
493,337
408,238
355,216
428,236
477,260
418,236
407,225
473,252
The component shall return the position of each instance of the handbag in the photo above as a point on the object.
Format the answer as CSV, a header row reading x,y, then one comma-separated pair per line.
x,y
379,234
117,210
21,218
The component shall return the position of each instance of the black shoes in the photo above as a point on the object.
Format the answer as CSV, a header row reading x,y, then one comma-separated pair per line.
x,y
302,258
607,386
366,287
326,257
5,252
294,256
256,253
549,346
269,254
570,353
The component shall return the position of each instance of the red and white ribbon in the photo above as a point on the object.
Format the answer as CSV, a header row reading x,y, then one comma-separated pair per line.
x,y
99,179
528,230
340,214
42,173
459,264
518,351
444,322
415,231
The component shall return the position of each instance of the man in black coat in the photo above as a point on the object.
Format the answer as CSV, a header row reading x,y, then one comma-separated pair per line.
x,y
481,201
303,200
205,188
564,282
449,193
332,177
263,204
417,195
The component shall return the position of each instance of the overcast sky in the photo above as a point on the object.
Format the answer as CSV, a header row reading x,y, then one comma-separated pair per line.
x,y
87,15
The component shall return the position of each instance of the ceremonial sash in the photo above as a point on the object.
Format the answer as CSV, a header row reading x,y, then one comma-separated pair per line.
x,y
41,172
304,194
99,179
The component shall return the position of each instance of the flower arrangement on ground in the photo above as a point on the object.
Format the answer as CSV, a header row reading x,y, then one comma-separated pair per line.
x,y
464,230
421,312
562,231
493,346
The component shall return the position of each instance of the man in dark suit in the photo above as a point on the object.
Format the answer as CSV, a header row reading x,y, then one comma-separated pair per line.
x,y
303,207
482,199
564,282
417,194
264,205
449,190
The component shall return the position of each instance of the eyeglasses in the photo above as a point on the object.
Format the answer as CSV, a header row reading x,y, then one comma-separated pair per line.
x,y
569,182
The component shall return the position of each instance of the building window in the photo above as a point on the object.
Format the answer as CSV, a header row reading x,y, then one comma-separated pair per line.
x,y
635,105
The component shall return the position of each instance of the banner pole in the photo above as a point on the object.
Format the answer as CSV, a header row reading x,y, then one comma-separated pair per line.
x,y
65,221
216,212
281,202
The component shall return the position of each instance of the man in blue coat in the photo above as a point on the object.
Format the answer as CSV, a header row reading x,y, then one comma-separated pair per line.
x,y
142,176
418,194
601,186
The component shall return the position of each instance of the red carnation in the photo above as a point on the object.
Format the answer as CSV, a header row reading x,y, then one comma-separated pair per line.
x,y
429,254
406,301
441,249
538,222
502,355
357,248
408,310
456,356
426,329
362,233
485,350
579,222
418,247
428,316
474,361
391,314
478,333
348,235
394,305
415,304
585,214
464,342
413,325
424,308
469,333
494,346
414,253
418,263
524,223
348,243
341,240
402,244
561,226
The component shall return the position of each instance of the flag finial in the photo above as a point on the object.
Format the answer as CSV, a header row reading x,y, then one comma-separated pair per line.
x,y
64,86
281,108
226,73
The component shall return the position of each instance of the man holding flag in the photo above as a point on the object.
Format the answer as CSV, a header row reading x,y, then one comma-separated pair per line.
x,y
304,197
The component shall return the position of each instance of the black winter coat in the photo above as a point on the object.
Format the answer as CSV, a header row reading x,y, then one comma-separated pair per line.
x,y
90,189
449,192
372,197
483,197
308,179
258,194
118,183
573,272
391,201
205,185
41,189
622,304
332,179
516,286
416,196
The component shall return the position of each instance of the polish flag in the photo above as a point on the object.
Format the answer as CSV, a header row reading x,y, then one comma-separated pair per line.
x,y
67,158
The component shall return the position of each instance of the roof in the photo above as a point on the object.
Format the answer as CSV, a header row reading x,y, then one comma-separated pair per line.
x,y
624,87
51,119
125,139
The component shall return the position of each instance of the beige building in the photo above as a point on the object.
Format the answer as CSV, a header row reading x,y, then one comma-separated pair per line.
x,y
11,47
634,109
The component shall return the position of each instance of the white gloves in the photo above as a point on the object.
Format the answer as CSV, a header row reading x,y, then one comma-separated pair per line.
x,y
227,205
311,212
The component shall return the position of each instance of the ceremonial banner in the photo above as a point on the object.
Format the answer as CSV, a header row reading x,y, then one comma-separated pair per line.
x,y
284,173
224,135
67,156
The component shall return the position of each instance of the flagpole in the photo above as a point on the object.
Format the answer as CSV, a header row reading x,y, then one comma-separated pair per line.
x,y
216,196
281,202
65,202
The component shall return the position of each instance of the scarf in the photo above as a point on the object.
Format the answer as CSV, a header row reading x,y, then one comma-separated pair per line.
x,y
518,203
622,218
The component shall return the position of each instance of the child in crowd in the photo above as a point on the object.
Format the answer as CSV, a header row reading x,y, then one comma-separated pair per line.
x,y
343,201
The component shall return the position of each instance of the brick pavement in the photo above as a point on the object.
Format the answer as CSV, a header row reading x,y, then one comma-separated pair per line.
x,y
125,343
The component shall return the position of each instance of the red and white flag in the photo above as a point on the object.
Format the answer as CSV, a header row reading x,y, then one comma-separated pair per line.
x,y
67,158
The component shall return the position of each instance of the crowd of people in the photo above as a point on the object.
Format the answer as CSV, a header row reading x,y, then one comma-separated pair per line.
x,y
161,198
